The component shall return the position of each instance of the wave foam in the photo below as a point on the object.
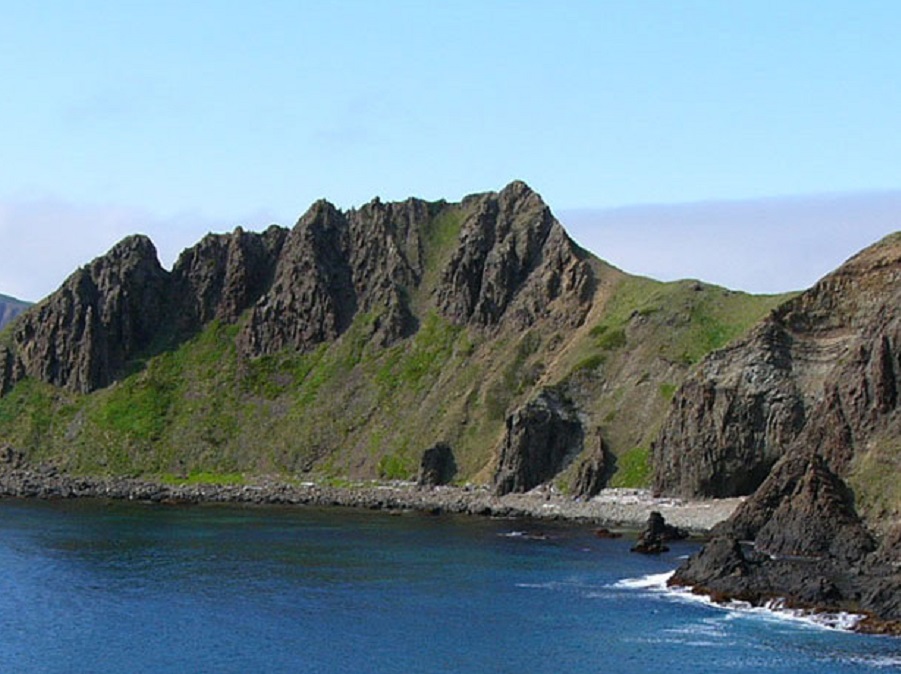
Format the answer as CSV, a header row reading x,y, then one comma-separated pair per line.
x,y
653,581
773,610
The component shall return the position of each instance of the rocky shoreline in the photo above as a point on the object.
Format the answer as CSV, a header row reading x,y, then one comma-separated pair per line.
x,y
626,509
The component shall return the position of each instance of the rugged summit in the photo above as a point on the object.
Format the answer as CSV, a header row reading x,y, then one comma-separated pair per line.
x,y
84,334
809,401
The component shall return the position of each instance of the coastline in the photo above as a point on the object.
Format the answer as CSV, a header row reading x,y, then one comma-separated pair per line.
x,y
625,509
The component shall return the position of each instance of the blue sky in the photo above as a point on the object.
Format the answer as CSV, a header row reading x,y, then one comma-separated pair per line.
x,y
177,118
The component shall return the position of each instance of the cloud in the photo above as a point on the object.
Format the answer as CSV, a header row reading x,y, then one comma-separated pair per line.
x,y
760,245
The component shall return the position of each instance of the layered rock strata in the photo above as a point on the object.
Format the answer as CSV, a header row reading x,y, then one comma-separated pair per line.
x,y
822,529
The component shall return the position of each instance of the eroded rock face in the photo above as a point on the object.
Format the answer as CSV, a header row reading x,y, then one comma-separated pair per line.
x,y
224,274
303,287
819,367
592,473
805,538
83,335
311,299
539,437
732,419
514,260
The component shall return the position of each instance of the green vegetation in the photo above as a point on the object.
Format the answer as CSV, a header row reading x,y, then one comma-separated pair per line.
x,y
395,467
414,363
27,413
515,378
633,469
609,338
667,390
874,479
689,319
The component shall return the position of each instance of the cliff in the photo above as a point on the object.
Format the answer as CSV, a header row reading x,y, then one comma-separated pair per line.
x,y
351,343
803,413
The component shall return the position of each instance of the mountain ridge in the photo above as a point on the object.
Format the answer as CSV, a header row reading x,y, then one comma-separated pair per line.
x,y
356,342
352,342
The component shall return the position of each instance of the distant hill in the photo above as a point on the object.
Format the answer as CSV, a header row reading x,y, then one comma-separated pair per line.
x,y
10,308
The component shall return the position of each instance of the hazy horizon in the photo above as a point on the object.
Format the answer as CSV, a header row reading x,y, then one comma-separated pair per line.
x,y
768,245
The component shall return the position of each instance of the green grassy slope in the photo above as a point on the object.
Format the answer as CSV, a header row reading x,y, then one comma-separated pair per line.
x,y
350,409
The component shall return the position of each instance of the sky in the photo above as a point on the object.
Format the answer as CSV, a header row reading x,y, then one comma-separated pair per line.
x,y
749,143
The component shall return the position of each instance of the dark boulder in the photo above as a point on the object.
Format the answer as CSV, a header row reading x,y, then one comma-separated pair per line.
x,y
437,466
653,538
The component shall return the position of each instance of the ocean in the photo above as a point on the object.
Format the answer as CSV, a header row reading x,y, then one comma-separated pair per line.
x,y
90,586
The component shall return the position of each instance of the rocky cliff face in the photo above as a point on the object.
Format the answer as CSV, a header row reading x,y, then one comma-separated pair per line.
x,y
511,262
513,258
84,334
824,522
347,344
334,265
819,365
223,275
540,436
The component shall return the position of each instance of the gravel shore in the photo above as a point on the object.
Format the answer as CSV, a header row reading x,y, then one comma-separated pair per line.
x,y
614,508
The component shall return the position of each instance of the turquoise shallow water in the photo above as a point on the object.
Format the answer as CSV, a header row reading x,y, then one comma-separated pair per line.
x,y
94,587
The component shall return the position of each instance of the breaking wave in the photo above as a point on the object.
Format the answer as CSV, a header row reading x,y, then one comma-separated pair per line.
x,y
775,609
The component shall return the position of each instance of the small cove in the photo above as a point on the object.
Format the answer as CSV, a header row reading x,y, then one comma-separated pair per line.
x,y
112,587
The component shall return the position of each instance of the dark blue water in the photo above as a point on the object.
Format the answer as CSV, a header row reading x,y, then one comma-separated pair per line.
x,y
92,587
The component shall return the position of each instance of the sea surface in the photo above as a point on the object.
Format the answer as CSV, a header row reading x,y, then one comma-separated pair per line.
x,y
90,586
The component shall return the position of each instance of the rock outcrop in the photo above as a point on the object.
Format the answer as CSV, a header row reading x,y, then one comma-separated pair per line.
x,y
656,534
513,258
83,336
820,366
593,470
540,436
303,287
820,531
437,466
224,274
